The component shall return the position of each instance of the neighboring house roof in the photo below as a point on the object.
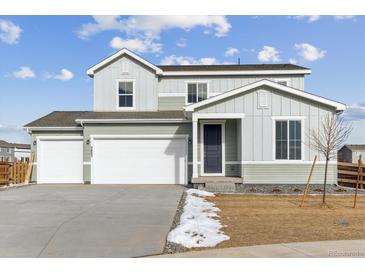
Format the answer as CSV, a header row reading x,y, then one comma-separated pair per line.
x,y
235,69
13,145
356,147
4,144
91,71
249,87
21,146
62,119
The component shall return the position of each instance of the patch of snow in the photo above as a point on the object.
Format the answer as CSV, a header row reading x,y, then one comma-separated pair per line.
x,y
199,225
201,193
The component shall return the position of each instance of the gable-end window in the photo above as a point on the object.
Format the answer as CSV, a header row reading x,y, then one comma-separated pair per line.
x,y
288,140
197,92
125,94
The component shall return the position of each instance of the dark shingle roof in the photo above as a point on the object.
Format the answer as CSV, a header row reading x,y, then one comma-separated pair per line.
x,y
356,147
244,67
67,118
13,145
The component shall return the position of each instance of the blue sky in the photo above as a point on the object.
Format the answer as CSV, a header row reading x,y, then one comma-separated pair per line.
x,y
44,58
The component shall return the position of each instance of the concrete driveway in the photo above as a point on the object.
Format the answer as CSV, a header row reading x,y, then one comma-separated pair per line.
x,y
86,220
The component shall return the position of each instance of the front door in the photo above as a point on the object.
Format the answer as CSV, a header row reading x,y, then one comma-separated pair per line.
x,y
212,148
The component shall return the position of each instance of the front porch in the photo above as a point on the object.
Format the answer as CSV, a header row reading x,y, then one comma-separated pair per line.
x,y
216,150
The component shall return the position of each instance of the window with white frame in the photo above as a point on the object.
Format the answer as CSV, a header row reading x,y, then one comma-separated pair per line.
x,y
126,94
288,140
197,92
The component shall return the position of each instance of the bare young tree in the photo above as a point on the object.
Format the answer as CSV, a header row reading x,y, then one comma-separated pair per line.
x,y
333,132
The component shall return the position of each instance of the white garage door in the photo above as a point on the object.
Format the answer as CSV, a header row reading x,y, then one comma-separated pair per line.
x,y
60,161
158,160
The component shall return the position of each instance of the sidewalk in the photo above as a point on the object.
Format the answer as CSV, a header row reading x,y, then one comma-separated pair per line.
x,y
329,249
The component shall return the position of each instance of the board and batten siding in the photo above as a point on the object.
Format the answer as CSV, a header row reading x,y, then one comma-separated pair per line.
x,y
105,85
216,85
258,123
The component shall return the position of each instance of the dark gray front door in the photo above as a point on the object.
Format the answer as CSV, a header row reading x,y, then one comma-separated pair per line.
x,y
212,148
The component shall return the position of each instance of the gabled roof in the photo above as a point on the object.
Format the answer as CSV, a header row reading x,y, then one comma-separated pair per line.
x,y
235,69
338,106
356,147
91,71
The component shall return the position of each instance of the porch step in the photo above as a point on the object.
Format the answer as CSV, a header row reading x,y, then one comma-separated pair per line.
x,y
220,187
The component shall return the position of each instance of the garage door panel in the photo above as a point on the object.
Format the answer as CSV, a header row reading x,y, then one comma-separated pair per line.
x,y
60,161
139,161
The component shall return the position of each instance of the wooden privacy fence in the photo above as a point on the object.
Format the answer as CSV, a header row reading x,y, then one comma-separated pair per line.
x,y
14,173
347,174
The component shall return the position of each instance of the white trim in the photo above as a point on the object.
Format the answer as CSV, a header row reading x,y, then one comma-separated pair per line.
x,y
237,72
52,137
136,121
288,118
302,129
91,71
142,136
197,116
127,80
223,147
138,136
87,163
187,82
54,128
172,94
265,82
287,162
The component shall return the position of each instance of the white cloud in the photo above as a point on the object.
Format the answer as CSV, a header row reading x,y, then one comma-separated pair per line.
x,y
24,73
310,18
293,61
231,51
64,75
9,32
137,45
268,54
181,43
187,60
355,112
151,26
309,52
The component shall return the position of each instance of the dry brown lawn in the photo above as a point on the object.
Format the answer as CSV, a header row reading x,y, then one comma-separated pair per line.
x,y
254,220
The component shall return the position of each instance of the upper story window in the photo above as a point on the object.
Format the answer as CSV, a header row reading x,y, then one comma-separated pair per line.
x,y
288,140
197,91
126,94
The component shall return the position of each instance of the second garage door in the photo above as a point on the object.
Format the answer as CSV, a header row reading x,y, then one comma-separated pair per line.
x,y
139,160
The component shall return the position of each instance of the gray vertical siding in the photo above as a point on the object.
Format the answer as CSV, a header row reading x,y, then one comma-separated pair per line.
x,y
216,85
105,85
258,123
171,103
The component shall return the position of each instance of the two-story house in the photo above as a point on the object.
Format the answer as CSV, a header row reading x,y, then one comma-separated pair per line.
x,y
177,124
11,152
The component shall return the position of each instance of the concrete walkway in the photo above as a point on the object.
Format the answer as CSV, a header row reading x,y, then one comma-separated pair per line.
x,y
329,249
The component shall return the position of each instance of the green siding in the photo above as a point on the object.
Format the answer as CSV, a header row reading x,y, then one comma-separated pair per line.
x,y
171,103
287,173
